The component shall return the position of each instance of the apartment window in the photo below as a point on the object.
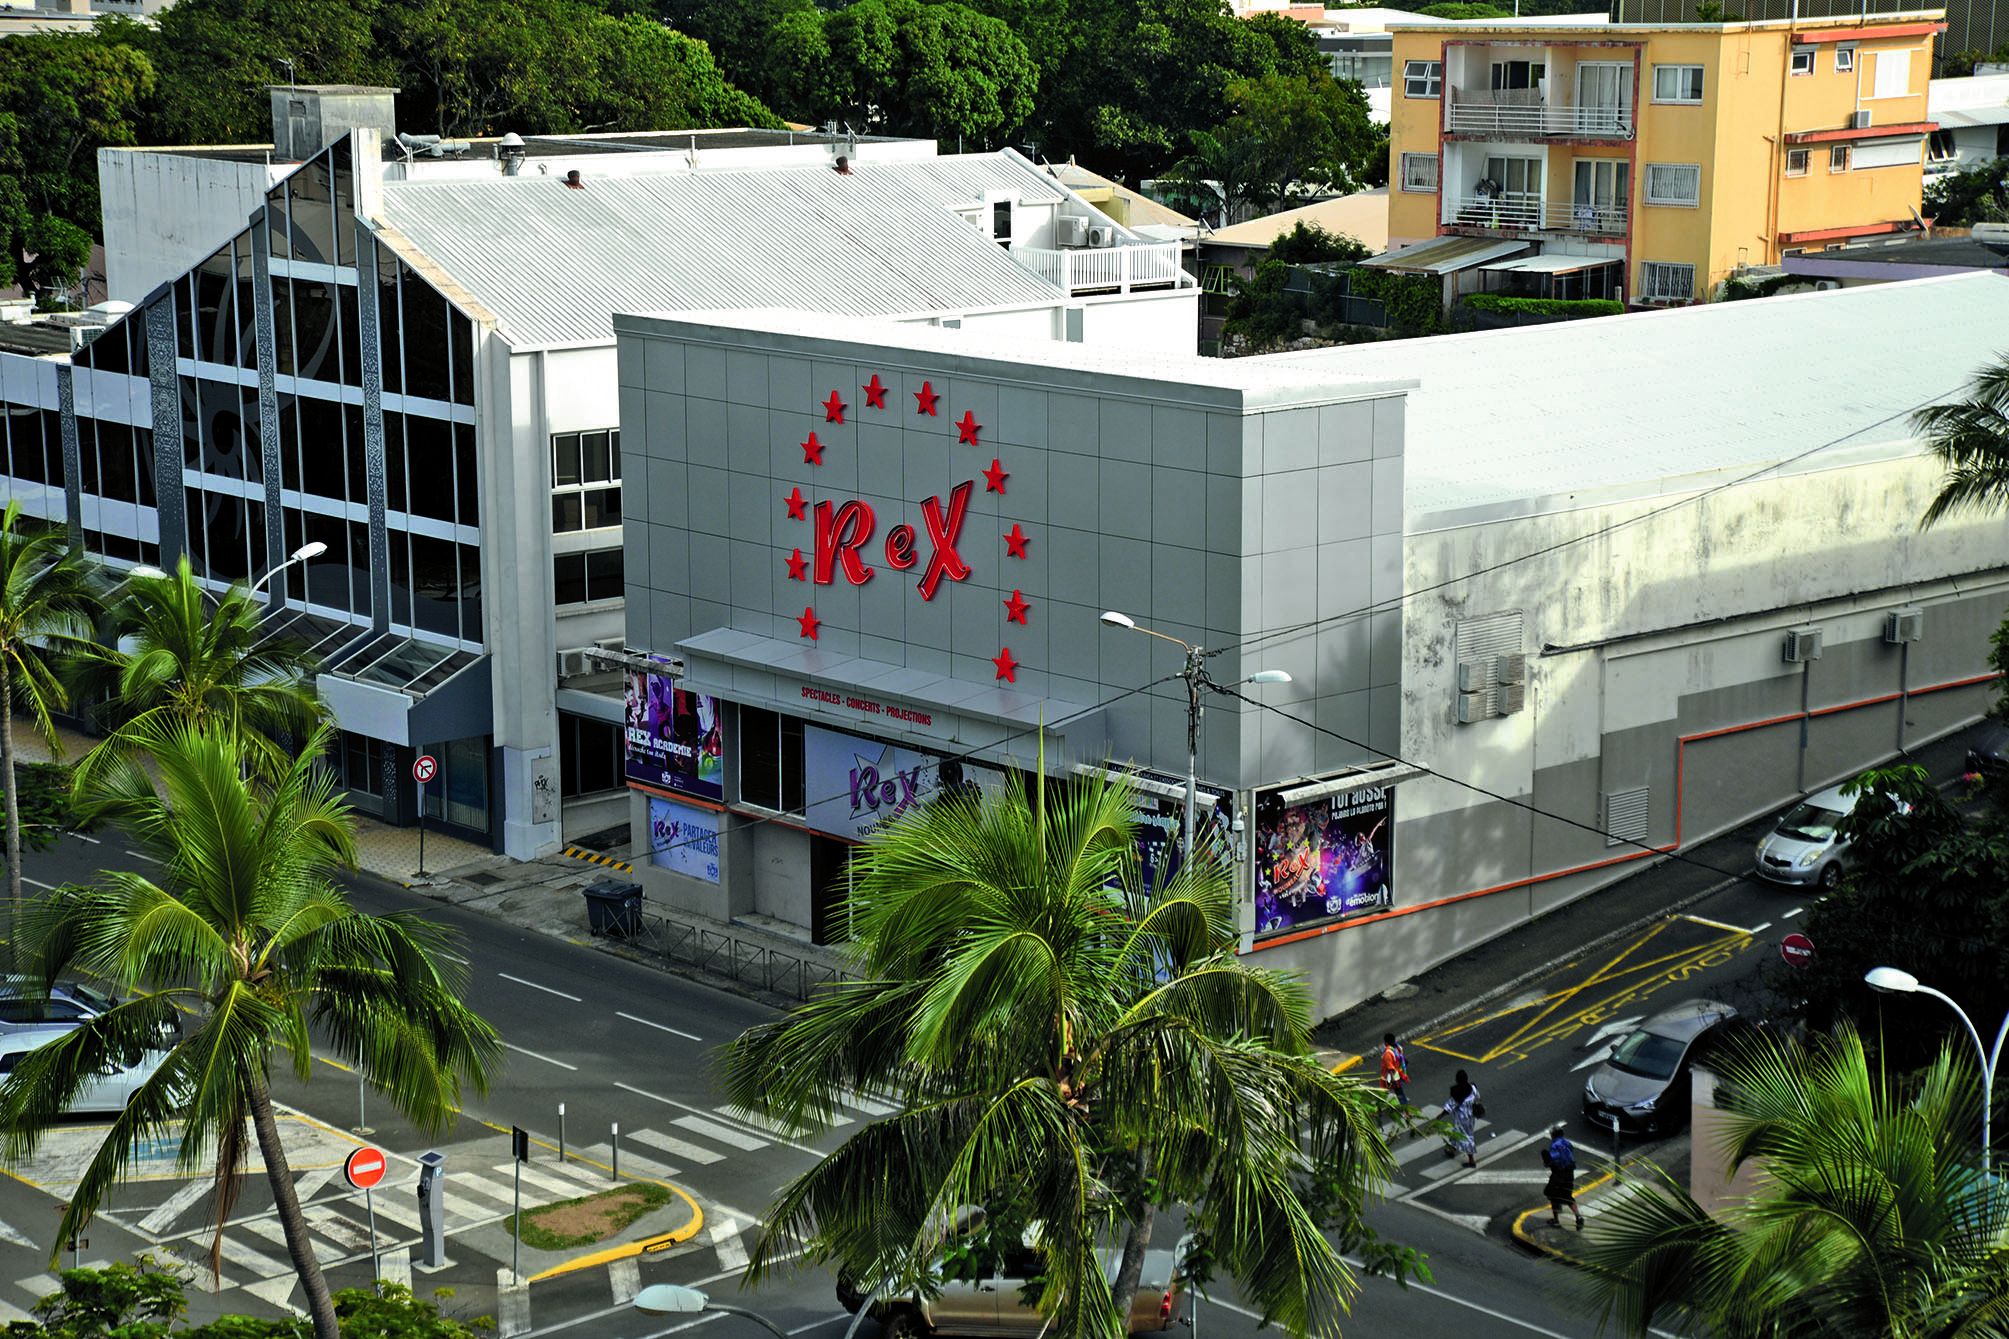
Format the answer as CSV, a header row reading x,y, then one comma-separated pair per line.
x,y
1893,74
585,480
1673,184
589,756
586,578
1422,78
1419,172
1838,158
1940,149
1001,222
1845,59
1660,281
1796,162
1517,74
1677,83
1803,60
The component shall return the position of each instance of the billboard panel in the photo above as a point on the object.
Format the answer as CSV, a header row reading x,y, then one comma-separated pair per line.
x,y
853,786
684,839
673,738
1325,860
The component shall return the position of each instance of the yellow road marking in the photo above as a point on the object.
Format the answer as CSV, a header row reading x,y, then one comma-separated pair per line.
x,y
1716,925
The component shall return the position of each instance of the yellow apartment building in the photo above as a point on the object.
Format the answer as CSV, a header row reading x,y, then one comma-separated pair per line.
x,y
1649,161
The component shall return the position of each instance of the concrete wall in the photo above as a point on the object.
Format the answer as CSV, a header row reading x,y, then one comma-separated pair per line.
x,y
163,212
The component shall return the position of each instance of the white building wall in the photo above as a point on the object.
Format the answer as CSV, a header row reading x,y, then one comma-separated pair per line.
x,y
1158,321
163,212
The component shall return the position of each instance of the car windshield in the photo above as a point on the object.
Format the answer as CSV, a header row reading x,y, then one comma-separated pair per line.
x,y
1648,1055
1810,823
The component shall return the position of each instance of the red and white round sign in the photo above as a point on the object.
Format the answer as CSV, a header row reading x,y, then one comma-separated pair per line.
x,y
1797,949
365,1167
424,768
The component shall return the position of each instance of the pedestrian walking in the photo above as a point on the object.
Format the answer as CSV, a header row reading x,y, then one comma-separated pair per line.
x,y
1560,1157
1463,1110
1394,1068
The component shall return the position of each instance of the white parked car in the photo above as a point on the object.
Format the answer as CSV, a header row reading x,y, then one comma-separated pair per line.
x,y
109,1091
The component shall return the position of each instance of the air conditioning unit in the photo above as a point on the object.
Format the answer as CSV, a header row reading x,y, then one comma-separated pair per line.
x,y
572,662
1475,706
1859,120
1513,667
1510,698
1070,230
1101,234
1802,645
1903,625
1476,675
1826,285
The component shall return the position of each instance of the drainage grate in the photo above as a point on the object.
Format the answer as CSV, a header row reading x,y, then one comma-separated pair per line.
x,y
481,878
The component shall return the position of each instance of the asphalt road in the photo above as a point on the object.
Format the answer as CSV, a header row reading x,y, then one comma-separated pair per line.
x,y
622,1044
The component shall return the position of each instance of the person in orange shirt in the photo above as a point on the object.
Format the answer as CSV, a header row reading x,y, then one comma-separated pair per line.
x,y
1394,1068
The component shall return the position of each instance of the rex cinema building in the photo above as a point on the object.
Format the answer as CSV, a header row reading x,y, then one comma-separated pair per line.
x,y
1553,601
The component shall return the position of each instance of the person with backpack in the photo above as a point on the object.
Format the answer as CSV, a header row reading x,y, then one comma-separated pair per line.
x,y
1463,1109
1560,1157
1394,1068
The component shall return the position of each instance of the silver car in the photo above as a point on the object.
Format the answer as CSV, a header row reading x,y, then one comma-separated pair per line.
x,y
67,1004
106,1092
1806,848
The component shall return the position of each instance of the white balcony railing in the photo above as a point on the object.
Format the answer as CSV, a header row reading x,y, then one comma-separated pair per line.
x,y
1517,215
1149,264
1496,114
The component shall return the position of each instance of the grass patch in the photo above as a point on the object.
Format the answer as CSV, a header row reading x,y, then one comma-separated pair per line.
x,y
590,1219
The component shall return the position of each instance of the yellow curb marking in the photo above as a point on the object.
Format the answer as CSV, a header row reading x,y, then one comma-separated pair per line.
x,y
595,858
1347,1063
1526,1238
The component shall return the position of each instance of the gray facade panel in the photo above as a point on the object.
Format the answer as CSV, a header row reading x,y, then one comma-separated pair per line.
x,y
1022,417
1179,437
1126,431
165,387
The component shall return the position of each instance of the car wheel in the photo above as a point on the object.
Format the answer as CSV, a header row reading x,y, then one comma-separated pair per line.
x,y
1831,874
848,1295
906,1323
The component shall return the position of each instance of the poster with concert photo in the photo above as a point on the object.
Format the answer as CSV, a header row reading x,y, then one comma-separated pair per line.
x,y
673,737
1324,860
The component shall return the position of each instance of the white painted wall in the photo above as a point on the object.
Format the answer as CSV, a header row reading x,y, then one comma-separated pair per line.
x,y
1159,321
165,211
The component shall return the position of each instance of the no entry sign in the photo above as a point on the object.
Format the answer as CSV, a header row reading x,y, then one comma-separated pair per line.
x,y
1797,950
365,1167
424,768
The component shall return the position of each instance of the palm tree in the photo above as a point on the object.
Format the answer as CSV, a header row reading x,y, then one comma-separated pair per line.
x,y
1070,1048
1871,1216
201,658
246,940
42,609
1971,438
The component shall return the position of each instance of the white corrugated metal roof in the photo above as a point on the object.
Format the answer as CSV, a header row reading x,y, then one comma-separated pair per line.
x,y
1553,262
1550,417
554,263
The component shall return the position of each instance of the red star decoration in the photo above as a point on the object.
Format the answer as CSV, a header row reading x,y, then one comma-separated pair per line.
x,y
812,451
994,477
798,566
1015,608
966,428
809,621
1007,667
798,505
875,394
833,409
1016,541
924,399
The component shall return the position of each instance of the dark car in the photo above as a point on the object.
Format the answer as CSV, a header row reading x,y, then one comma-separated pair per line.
x,y
1988,755
1644,1087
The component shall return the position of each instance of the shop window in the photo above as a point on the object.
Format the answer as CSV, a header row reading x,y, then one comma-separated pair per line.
x,y
363,763
589,756
585,480
770,760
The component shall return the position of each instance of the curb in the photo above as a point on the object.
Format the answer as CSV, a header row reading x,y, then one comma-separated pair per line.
x,y
1528,1240
595,858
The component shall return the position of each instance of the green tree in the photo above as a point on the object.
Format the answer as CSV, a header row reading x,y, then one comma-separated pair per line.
x,y
639,75
1872,1218
1963,199
1309,244
246,945
1465,9
1068,1047
961,76
1961,64
43,611
1971,439
740,34
216,58
186,655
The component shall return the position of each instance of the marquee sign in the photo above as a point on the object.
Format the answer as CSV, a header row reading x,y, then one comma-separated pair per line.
x,y
842,535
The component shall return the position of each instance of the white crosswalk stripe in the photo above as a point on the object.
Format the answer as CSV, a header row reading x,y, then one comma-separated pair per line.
x,y
253,1262
564,1190
870,1106
38,1286
677,1148
309,1183
482,1190
713,1130
325,1251
1501,1139
162,1218
9,1313
276,1292
632,1163
349,1234
774,1127
13,1236
399,1206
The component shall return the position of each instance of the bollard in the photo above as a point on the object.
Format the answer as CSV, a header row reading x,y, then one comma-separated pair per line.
x,y
561,1132
614,1170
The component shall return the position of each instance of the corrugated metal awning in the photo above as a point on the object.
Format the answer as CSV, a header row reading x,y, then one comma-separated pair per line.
x,y
1551,262
1445,255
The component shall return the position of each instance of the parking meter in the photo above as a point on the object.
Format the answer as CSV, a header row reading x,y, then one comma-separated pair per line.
x,y
431,1250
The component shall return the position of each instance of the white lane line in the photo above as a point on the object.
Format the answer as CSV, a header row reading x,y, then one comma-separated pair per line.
x,y
676,1147
142,855
660,1027
545,1058
45,887
735,1137
1471,1222
1756,929
1414,1286
1716,925
1518,1176
162,1218
1788,915
450,957
546,989
85,837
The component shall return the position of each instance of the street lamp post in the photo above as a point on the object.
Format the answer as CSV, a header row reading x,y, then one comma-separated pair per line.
x,y
1196,677
1896,981
305,553
671,1299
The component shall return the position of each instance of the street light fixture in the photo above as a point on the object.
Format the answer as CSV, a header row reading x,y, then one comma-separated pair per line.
x,y
1196,677
305,553
1897,981
672,1299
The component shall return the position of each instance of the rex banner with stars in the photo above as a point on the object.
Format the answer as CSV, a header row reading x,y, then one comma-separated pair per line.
x,y
846,541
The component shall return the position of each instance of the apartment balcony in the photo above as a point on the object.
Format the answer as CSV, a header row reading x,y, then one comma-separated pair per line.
x,y
1481,214
1527,114
1111,269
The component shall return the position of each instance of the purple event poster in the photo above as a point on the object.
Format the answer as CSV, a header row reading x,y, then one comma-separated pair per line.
x,y
1325,860
673,738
